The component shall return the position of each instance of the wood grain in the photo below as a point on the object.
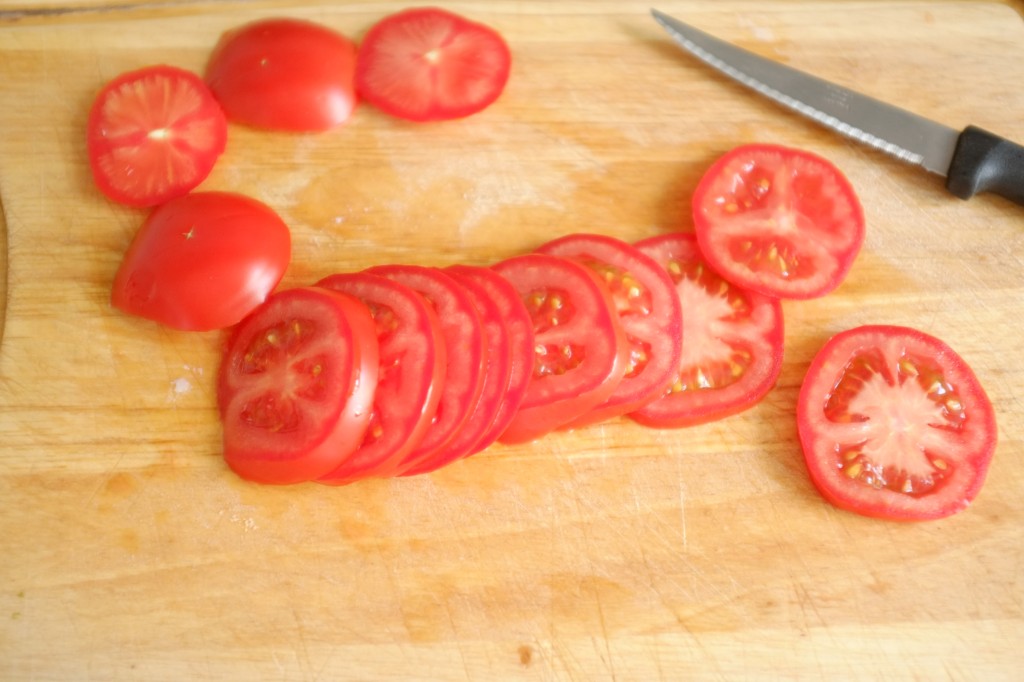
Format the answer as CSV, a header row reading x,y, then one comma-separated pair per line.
x,y
128,551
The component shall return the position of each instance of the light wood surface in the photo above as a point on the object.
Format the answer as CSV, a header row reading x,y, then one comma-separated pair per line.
x,y
129,552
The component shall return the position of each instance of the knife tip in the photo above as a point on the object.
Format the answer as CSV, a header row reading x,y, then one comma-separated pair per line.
x,y
660,17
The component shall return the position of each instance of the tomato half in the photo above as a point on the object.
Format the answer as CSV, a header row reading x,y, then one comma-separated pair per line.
x,y
411,377
518,332
732,340
649,312
296,385
466,353
284,74
779,221
894,424
203,261
154,134
428,64
580,352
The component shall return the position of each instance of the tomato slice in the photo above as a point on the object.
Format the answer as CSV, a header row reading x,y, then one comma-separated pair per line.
x,y
466,353
732,341
284,74
154,134
782,222
412,371
507,370
203,261
504,302
580,353
894,424
649,312
296,384
428,64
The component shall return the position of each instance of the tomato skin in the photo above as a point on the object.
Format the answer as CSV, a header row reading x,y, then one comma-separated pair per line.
x,y
895,425
779,221
519,337
296,385
411,378
581,351
154,134
428,64
466,353
202,261
732,341
649,312
284,74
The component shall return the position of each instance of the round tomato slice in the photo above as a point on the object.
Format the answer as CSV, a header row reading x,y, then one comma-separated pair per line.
x,y
428,64
466,353
296,384
518,333
782,222
412,367
153,135
580,350
480,284
203,261
284,74
732,341
894,424
649,312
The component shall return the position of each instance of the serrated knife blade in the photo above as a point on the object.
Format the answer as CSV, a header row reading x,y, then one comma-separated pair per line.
x,y
972,160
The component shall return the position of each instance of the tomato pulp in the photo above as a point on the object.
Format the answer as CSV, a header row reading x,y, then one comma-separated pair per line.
x,y
466,353
154,134
648,310
411,377
580,349
782,222
732,340
296,384
894,424
496,374
428,64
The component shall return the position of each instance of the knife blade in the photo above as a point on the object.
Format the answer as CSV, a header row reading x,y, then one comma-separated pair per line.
x,y
972,160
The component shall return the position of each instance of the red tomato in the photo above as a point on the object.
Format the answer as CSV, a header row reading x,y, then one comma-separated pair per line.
x,y
895,425
480,284
782,222
649,312
203,261
412,367
732,341
518,329
153,135
284,74
427,64
580,352
465,350
296,385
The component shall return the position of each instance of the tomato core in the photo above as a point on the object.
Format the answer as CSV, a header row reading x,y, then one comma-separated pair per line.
x,y
902,404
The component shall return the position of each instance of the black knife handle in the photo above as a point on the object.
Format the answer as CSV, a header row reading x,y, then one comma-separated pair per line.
x,y
984,162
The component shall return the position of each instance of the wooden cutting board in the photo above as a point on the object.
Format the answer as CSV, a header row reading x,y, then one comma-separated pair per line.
x,y
128,551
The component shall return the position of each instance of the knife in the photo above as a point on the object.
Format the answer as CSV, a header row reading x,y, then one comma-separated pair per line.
x,y
972,160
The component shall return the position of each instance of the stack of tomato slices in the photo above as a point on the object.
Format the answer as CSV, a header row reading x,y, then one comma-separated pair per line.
x,y
583,329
